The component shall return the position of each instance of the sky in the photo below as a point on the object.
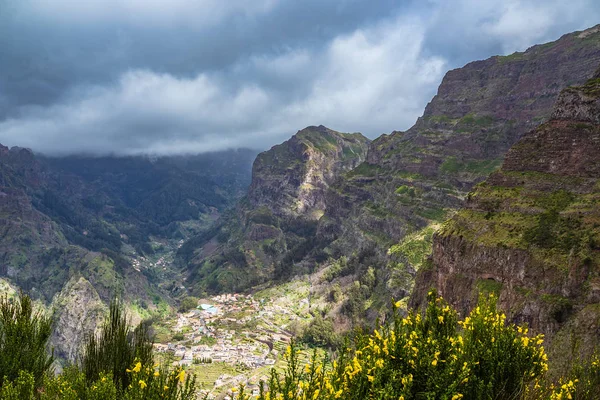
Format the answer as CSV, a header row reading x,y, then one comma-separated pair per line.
x,y
165,77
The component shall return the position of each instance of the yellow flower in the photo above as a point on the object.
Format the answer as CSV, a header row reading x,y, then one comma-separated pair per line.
x,y
457,396
166,388
156,373
434,363
181,376
137,367
441,319
142,384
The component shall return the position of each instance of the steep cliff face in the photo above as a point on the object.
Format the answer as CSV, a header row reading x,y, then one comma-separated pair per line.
x,y
78,312
411,180
274,226
292,178
531,231
479,112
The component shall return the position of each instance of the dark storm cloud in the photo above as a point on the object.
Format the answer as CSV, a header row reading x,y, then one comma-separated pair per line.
x,y
151,76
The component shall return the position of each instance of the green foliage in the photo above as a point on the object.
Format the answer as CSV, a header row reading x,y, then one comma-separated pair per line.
x,y
207,340
104,373
416,247
552,229
365,169
410,191
450,165
592,88
148,382
263,215
21,389
320,332
434,356
116,348
24,336
188,303
489,286
338,268
476,120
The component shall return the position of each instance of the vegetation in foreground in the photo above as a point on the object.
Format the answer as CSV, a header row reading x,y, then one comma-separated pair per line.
x,y
431,356
116,364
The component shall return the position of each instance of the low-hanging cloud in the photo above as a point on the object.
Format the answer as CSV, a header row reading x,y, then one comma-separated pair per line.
x,y
373,75
146,112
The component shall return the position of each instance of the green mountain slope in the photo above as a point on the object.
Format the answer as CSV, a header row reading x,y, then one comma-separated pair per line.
x,y
274,226
531,231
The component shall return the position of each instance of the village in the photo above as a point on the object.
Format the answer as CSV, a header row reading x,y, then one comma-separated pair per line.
x,y
231,329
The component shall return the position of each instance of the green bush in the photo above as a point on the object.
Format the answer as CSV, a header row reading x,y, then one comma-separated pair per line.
x,y
116,349
116,365
24,336
434,356
188,303
320,332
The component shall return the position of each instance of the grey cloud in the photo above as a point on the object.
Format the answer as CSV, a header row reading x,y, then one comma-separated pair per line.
x,y
146,112
133,76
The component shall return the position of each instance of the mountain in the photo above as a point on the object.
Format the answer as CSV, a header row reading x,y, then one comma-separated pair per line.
x,y
530,232
384,212
275,224
371,227
58,211
77,231
411,179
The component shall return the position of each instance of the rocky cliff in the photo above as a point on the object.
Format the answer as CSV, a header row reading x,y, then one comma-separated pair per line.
x,y
274,225
78,312
384,210
292,178
410,178
531,231
369,228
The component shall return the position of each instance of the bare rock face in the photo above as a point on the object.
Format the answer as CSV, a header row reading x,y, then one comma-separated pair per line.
x,y
274,226
79,312
530,232
292,178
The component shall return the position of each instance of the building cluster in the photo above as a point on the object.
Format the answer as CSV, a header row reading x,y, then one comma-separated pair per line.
x,y
231,328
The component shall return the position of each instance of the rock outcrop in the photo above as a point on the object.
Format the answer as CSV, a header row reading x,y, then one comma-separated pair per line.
x,y
78,312
274,225
531,231
291,179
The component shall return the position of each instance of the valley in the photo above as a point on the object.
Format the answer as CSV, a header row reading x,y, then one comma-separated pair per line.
x,y
228,257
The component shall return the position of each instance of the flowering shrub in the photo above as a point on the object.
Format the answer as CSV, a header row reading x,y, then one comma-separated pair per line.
x,y
148,383
434,356
155,382
430,356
